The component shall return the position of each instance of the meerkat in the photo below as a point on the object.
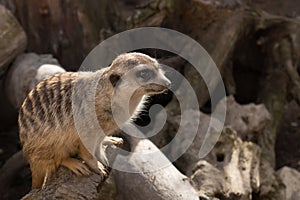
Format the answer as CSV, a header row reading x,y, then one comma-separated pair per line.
x,y
46,122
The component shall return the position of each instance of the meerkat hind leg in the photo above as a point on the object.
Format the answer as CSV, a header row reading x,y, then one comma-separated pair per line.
x,y
76,166
51,168
38,176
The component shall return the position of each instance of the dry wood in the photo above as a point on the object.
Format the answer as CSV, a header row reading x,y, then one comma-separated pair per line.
x,y
152,182
66,185
26,72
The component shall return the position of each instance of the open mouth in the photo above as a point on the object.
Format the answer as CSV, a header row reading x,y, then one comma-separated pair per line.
x,y
155,88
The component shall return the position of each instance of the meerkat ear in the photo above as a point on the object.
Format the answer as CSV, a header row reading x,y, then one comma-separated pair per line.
x,y
114,78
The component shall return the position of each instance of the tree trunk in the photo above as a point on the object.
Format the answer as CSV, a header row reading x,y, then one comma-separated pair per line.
x,y
72,28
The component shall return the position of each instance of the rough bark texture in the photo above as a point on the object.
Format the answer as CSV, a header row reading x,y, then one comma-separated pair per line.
x,y
66,185
161,183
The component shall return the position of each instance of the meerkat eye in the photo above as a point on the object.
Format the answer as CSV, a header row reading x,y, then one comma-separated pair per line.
x,y
145,74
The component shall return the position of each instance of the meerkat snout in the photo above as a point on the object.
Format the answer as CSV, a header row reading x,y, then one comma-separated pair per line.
x,y
150,78
136,77
164,81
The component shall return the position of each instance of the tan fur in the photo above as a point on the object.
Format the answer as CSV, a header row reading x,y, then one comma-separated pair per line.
x,y
47,129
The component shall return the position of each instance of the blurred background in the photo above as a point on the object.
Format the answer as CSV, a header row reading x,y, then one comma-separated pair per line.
x,y
254,43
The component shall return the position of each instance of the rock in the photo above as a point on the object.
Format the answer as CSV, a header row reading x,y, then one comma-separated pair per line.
x,y
27,71
291,180
12,38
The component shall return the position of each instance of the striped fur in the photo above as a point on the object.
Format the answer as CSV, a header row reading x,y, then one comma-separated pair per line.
x,y
47,129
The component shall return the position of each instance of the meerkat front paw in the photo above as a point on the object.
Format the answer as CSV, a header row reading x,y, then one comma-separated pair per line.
x,y
107,141
110,140
97,167
76,166
102,169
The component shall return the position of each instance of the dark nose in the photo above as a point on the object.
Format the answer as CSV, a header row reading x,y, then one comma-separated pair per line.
x,y
168,84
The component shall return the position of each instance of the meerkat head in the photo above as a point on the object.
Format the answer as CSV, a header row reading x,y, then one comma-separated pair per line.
x,y
139,73
137,69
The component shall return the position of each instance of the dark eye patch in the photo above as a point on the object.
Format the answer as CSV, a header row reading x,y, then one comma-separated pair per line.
x,y
145,74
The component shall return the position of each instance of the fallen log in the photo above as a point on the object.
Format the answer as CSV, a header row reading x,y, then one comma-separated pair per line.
x,y
151,181
26,72
67,185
